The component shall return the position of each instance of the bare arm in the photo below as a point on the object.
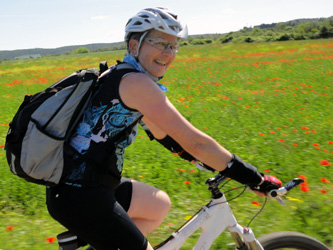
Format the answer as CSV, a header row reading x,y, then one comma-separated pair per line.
x,y
137,91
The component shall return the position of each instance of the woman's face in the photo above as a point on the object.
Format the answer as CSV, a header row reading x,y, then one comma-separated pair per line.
x,y
153,59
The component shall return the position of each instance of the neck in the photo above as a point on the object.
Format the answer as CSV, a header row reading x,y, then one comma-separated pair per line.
x,y
129,58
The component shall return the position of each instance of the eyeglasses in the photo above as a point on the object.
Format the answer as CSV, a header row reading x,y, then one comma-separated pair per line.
x,y
162,44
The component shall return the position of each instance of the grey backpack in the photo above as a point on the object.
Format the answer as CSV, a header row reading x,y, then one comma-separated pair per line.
x,y
43,124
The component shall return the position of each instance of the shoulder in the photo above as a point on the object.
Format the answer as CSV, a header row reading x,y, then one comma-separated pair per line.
x,y
139,84
136,78
137,90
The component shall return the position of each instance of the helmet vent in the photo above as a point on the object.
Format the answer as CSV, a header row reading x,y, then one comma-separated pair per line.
x,y
163,16
137,23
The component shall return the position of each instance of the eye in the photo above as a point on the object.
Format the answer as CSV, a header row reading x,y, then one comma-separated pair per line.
x,y
161,44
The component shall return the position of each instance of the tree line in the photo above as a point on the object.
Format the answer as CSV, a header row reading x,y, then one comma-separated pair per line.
x,y
301,29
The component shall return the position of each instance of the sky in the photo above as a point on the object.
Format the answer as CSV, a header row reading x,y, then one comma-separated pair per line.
x,y
26,24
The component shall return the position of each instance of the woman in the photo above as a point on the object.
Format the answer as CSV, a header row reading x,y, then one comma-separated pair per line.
x,y
93,201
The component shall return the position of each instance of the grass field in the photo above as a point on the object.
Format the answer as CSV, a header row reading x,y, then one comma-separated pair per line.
x,y
270,103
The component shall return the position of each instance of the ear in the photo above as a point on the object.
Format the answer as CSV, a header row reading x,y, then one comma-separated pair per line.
x,y
133,46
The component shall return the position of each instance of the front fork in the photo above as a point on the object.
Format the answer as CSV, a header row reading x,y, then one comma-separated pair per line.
x,y
244,238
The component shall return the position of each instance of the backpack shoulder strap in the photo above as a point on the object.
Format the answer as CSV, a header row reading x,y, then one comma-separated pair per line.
x,y
103,66
123,65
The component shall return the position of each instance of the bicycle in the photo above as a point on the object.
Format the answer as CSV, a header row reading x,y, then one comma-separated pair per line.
x,y
214,218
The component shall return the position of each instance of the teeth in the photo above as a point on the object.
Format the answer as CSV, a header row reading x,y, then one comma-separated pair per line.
x,y
160,62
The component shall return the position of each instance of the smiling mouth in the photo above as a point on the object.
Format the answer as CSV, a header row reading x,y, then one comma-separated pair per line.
x,y
160,63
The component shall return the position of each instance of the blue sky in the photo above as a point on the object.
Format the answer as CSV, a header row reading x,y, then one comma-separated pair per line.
x,y
55,23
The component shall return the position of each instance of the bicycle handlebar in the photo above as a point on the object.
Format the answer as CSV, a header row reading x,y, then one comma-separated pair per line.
x,y
283,190
214,182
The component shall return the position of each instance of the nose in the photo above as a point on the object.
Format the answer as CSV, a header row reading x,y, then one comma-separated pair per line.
x,y
169,51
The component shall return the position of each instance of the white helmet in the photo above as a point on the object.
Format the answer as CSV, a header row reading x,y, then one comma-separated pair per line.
x,y
161,19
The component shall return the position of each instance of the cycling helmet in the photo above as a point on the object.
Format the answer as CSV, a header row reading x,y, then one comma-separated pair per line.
x,y
161,19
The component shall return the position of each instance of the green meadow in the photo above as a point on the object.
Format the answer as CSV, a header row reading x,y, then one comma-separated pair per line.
x,y
269,103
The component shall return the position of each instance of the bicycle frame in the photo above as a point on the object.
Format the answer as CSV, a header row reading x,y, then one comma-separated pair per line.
x,y
213,219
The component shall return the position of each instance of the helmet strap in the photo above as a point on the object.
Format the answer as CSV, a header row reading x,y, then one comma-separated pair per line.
x,y
136,56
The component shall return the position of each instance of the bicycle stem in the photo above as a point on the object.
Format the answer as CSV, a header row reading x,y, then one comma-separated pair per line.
x,y
213,184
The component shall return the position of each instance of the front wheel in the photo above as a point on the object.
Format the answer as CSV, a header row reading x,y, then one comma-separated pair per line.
x,y
290,240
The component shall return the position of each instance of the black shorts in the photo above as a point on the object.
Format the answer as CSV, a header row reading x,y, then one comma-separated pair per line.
x,y
97,215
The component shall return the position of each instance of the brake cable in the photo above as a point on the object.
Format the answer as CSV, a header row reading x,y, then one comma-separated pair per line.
x,y
245,187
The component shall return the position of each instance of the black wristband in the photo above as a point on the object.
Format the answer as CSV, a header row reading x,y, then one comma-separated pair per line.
x,y
242,172
174,147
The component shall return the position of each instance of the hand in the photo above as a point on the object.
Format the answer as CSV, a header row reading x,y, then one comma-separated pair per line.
x,y
269,183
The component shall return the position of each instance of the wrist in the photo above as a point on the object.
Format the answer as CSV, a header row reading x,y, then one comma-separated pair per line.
x,y
262,181
242,172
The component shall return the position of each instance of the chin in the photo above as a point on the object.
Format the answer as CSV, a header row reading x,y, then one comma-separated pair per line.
x,y
158,74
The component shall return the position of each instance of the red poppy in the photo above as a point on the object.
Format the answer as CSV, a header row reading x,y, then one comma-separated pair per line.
x,y
324,180
305,187
50,240
187,182
302,177
323,191
10,228
325,162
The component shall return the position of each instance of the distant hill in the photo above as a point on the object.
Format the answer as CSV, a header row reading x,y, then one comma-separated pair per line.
x,y
12,54
291,23
298,29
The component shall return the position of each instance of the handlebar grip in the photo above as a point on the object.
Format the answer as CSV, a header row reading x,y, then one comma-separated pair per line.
x,y
293,183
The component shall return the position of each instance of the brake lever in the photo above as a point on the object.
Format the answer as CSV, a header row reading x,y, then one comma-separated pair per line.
x,y
280,201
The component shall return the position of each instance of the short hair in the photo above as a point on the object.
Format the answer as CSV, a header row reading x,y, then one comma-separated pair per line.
x,y
136,36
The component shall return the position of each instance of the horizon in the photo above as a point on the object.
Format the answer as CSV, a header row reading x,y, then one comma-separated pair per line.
x,y
74,45
50,25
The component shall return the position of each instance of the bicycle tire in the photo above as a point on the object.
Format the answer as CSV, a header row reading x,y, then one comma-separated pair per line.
x,y
290,240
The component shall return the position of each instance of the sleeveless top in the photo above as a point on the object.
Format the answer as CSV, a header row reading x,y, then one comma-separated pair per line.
x,y
105,117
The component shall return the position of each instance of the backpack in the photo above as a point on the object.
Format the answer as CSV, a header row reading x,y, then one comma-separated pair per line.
x,y
43,124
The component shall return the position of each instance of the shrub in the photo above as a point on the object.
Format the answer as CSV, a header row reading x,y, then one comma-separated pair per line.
x,y
197,42
284,37
298,36
248,40
81,50
226,39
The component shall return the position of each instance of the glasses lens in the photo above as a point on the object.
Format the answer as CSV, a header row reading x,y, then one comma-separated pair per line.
x,y
162,44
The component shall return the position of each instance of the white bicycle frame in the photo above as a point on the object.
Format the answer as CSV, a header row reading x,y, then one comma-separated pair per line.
x,y
213,219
